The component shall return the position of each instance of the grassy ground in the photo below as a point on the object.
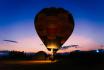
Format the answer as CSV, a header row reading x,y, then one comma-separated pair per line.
x,y
72,61
48,65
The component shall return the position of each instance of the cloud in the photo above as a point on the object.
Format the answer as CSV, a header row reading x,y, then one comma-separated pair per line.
x,y
85,44
27,44
11,41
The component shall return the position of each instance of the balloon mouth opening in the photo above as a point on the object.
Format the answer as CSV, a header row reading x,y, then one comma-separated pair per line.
x,y
52,48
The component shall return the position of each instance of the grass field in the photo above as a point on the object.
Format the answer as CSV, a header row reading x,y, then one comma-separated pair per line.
x,y
72,61
49,65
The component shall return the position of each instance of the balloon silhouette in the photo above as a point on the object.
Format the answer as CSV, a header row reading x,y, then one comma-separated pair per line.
x,y
54,26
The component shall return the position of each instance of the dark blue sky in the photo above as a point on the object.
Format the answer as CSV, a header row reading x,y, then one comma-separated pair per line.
x,y
17,17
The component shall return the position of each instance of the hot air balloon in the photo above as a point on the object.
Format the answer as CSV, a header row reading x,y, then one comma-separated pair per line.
x,y
54,26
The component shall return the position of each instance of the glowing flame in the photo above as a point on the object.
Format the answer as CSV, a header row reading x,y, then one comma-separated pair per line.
x,y
52,46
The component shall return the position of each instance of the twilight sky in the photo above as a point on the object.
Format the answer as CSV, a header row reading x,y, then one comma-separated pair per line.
x,y
17,23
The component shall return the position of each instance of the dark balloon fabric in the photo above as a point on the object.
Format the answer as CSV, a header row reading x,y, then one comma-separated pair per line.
x,y
54,26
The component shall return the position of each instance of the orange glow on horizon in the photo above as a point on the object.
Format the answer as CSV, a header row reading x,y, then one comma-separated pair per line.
x,y
35,44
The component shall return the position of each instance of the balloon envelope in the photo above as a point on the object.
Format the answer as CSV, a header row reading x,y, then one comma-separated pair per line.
x,y
54,26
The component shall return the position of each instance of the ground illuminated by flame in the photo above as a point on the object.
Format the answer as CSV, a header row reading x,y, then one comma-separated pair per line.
x,y
28,61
